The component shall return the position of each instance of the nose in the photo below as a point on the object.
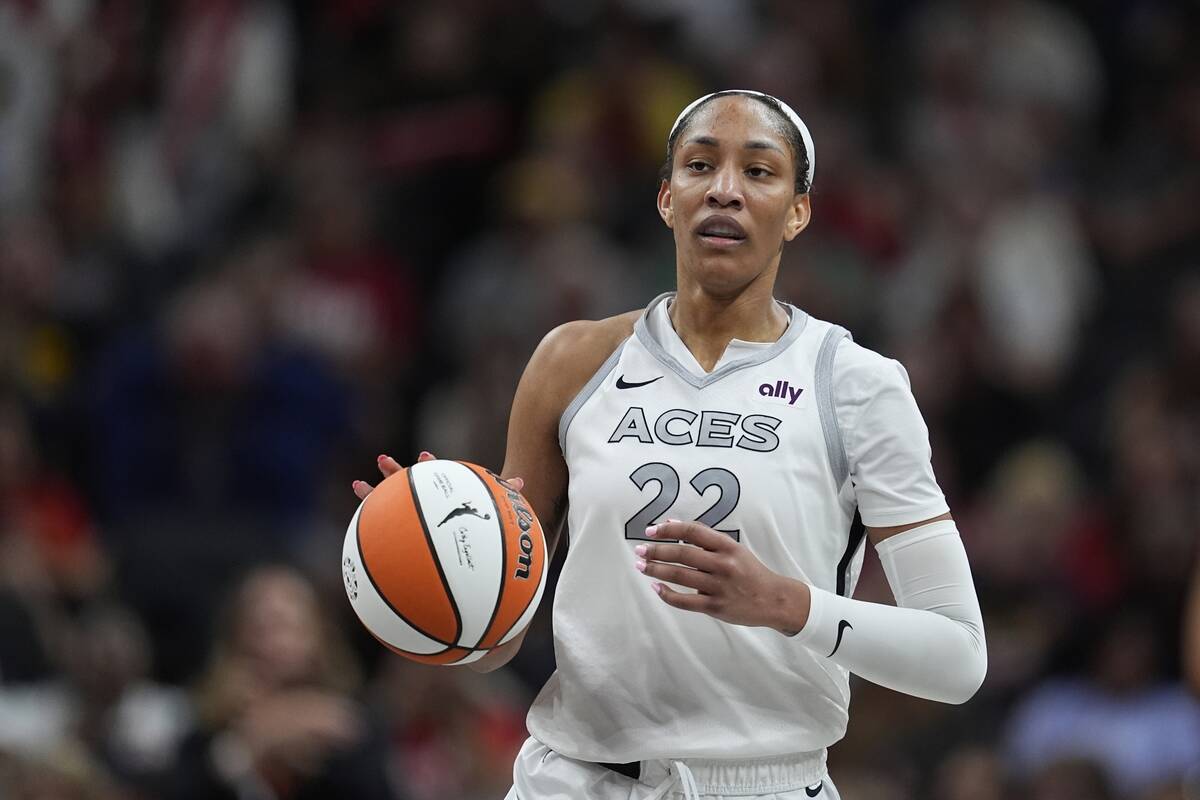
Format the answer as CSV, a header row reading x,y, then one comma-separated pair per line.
x,y
725,191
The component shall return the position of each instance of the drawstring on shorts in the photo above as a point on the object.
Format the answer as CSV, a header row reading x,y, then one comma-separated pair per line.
x,y
686,780
695,777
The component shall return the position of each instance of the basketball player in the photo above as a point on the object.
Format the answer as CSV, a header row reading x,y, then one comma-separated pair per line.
x,y
718,459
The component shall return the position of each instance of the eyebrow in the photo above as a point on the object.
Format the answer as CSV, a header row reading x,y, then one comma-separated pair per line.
x,y
753,144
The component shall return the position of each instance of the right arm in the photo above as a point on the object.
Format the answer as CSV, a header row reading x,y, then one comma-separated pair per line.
x,y
560,366
533,451
565,360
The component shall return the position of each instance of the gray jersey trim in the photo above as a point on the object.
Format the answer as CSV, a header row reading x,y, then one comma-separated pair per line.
x,y
823,386
642,332
587,391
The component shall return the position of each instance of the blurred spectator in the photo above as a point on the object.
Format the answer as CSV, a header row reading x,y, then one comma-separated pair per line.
x,y
212,410
50,557
105,715
133,724
971,773
454,734
1140,730
354,301
225,105
1036,285
276,717
1071,779
27,94
547,264
69,774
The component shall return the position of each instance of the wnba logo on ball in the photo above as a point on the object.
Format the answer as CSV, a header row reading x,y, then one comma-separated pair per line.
x,y
524,522
350,576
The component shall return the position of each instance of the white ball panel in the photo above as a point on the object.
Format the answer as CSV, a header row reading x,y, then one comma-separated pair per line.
x,y
462,521
371,609
472,657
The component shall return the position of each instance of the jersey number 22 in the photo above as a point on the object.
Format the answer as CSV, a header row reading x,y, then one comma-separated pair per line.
x,y
668,491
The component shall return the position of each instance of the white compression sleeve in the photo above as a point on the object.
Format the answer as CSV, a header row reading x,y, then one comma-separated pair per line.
x,y
931,643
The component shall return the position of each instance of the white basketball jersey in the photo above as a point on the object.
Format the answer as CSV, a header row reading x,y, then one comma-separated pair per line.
x,y
751,449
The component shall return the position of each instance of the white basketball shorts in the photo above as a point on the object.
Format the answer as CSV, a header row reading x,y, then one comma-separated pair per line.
x,y
542,774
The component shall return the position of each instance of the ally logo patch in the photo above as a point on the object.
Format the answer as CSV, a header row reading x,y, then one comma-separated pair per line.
x,y
783,393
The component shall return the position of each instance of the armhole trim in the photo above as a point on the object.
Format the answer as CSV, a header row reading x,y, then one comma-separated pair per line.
x,y
589,388
823,385
854,543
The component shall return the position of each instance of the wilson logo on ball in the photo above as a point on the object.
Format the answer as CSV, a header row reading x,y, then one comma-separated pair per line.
x,y
525,542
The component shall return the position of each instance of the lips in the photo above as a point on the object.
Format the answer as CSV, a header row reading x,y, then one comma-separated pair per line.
x,y
721,229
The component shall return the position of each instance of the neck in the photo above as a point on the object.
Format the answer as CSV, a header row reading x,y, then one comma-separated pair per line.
x,y
706,323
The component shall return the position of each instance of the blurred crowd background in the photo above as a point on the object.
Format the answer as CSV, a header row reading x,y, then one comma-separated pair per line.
x,y
247,245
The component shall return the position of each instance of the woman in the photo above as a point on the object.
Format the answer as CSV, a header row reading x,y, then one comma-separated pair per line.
x,y
276,716
722,456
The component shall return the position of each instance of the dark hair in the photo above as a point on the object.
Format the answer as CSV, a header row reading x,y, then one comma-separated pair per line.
x,y
789,130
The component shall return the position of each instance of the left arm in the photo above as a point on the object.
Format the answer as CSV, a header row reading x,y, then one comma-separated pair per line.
x,y
930,645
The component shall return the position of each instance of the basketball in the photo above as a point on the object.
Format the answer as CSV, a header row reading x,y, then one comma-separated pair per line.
x,y
443,562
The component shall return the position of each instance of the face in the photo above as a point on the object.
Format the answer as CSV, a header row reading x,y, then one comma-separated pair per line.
x,y
277,628
731,200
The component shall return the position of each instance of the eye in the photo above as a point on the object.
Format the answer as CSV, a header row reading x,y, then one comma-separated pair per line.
x,y
697,166
758,172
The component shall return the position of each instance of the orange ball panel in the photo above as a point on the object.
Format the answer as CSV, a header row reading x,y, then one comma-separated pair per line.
x,y
403,567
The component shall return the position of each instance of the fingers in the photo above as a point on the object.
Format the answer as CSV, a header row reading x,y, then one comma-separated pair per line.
x,y
514,483
388,465
693,533
679,554
687,602
680,576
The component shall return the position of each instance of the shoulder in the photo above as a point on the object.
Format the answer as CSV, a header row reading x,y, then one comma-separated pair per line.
x,y
859,373
584,345
571,354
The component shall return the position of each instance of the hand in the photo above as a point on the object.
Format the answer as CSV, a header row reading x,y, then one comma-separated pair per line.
x,y
732,584
299,729
389,466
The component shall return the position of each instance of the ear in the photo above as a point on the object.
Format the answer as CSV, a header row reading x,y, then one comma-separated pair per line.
x,y
664,204
798,215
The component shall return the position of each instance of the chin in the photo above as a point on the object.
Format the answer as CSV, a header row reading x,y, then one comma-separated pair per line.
x,y
722,275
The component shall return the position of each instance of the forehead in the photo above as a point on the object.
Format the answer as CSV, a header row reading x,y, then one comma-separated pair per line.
x,y
736,117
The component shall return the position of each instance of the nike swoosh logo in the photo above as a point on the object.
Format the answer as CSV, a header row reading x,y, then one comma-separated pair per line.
x,y
623,384
841,629
813,791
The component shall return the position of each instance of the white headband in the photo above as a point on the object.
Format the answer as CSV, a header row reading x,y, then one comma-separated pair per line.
x,y
792,115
